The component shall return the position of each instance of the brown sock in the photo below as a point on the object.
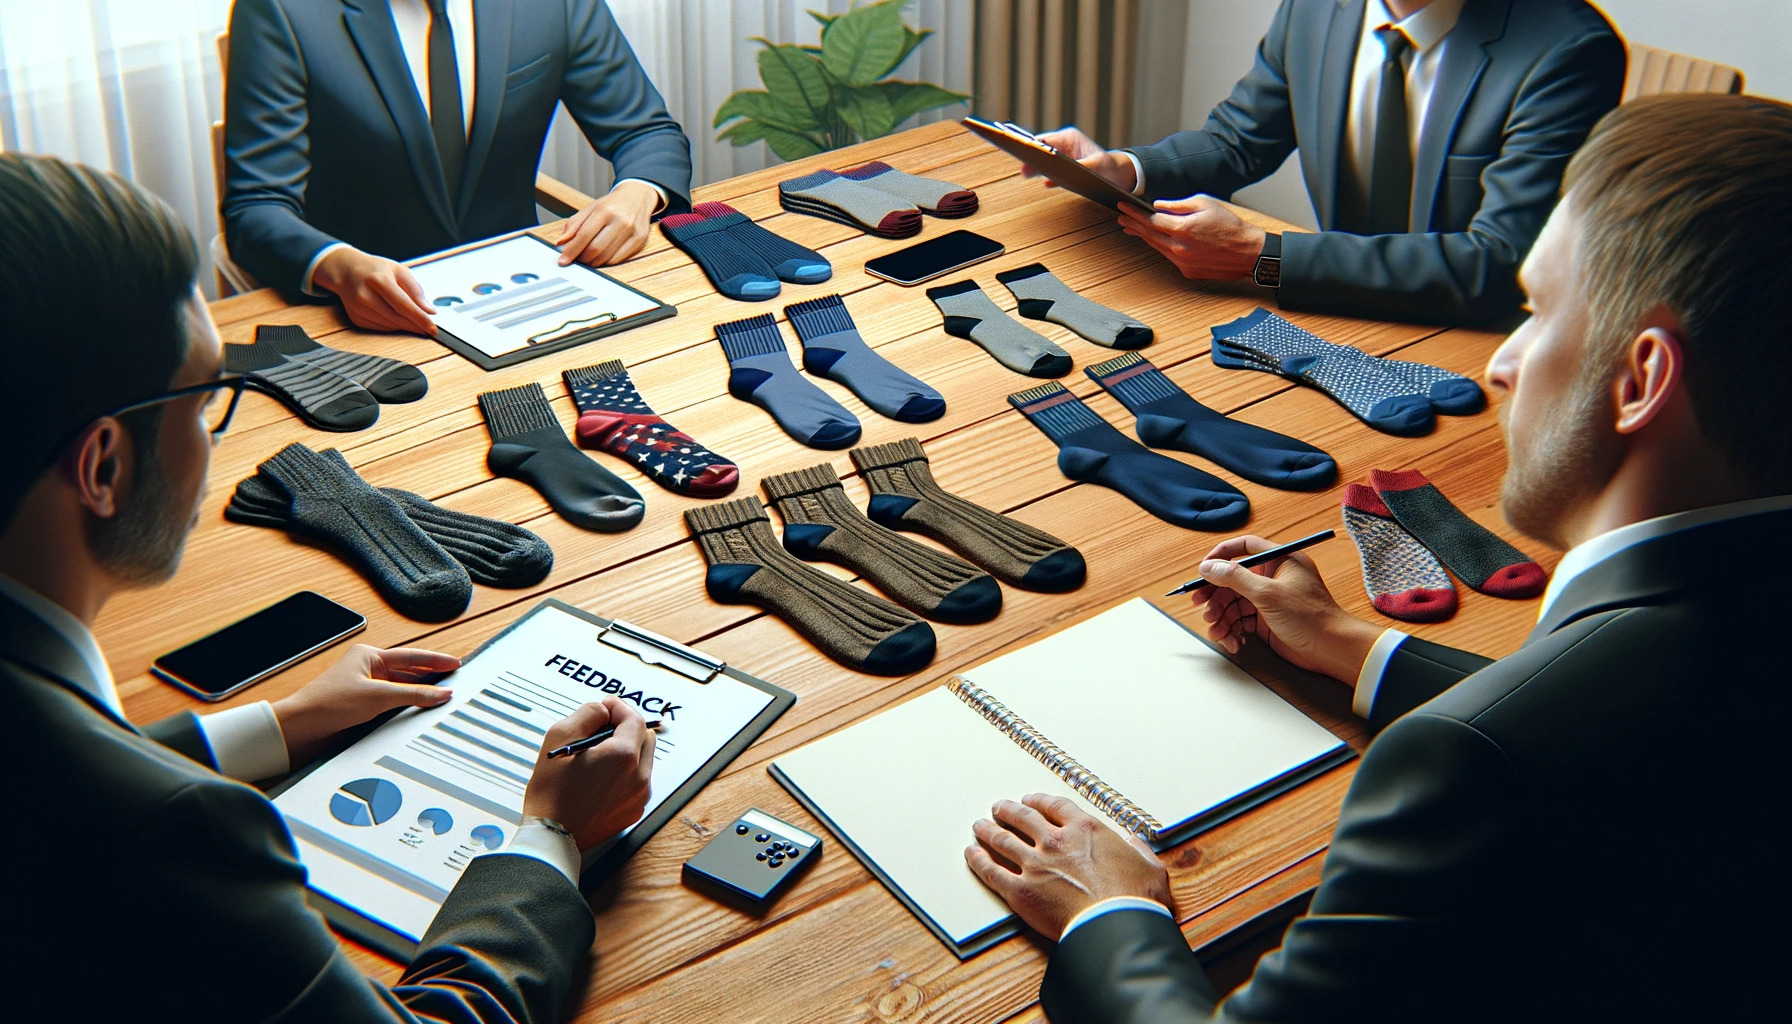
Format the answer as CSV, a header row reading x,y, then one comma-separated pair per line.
x,y
904,496
821,525
747,566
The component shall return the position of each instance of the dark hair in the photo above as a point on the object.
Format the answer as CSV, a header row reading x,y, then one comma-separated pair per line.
x,y
1685,204
94,274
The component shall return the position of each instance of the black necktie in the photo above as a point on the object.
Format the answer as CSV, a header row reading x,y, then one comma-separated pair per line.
x,y
446,115
1390,170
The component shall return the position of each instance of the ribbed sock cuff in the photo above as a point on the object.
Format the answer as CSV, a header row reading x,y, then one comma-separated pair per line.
x,y
287,338
1360,498
1022,273
595,374
1234,328
816,317
1397,479
720,212
519,410
300,470
1133,380
882,456
946,291
864,171
252,357
728,515
802,481
688,227
807,181
754,336
1053,409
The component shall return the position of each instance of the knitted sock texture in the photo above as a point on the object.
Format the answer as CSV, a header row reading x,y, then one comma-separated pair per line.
x,y
827,194
387,380
1474,553
1266,342
1043,297
736,270
1403,579
832,348
761,372
615,418
940,198
528,444
323,398
790,261
970,314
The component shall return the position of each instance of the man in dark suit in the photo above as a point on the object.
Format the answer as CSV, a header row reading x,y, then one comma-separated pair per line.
x,y
1432,136
154,886
1580,830
358,133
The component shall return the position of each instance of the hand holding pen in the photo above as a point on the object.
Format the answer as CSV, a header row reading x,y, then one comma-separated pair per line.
x,y
600,792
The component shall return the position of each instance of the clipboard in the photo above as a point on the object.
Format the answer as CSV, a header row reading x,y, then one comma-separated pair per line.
x,y
1024,146
501,301
650,649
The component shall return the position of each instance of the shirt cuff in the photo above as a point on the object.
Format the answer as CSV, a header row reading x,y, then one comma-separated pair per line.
x,y
546,845
246,742
1138,172
1374,666
1110,905
664,198
311,269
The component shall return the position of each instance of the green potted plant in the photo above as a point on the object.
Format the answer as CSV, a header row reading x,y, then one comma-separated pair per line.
x,y
818,98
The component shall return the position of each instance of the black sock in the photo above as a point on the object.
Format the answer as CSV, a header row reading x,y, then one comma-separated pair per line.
x,y
528,444
323,398
387,380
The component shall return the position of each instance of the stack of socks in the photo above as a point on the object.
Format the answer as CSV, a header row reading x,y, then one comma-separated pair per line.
x,y
329,388
1391,395
905,496
528,444
970,314
856,204
822,525
615,418
742,259
761,372
1168,417
832,348
930,195
748,566
1043,297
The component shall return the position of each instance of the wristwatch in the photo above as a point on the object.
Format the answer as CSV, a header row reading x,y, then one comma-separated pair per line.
x,y
1268,272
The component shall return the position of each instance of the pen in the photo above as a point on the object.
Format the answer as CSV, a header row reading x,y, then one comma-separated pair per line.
x,y
1260,557
594,739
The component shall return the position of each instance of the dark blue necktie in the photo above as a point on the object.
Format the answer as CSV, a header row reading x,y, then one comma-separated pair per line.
x,y
447,118
1390,170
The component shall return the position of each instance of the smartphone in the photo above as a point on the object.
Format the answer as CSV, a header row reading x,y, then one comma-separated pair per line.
x,y
249,650
927,260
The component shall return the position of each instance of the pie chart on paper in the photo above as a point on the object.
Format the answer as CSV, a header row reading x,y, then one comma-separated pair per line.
x,y
435,819
365,802
488,837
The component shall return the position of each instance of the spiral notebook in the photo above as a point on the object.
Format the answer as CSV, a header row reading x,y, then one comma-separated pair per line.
x,y
1127,713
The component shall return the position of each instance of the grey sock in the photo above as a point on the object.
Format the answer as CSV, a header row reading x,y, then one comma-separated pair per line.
x,y
870,208
970,314
1043,297
941,198
323,398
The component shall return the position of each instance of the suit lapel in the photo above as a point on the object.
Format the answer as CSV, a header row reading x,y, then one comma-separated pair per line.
x,y
1481,23
1333,102
492,57
33,645
369,23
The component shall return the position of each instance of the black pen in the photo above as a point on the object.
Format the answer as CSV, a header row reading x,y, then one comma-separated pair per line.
x,y
1259,558
594,739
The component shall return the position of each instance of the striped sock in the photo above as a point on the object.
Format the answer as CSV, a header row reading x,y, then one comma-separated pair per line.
x,y
1267,343
387,380
323,398
826,194
792,262
1403,579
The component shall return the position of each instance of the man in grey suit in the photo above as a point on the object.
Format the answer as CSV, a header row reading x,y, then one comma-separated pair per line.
x,y
358,133
1581,830
155,887
1432,137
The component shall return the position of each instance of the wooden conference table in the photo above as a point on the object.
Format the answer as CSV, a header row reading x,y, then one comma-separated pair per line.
x,y
839,946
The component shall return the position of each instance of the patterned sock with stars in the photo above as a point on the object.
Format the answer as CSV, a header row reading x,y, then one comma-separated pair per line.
x,y
615,418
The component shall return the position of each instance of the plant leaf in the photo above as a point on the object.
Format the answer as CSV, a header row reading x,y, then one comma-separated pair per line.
x,y
865,43
790,145
825,19
744,132
866,111
914,39
796,84
907,99
762,106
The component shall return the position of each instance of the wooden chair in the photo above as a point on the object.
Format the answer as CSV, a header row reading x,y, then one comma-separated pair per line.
x,y
1655,71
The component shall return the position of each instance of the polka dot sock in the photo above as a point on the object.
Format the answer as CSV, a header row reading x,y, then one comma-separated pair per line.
x,y
615,418
1403,578
1266,342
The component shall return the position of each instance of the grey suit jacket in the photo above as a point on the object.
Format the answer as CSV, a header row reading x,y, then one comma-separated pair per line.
x,y
1520,83
326,138
1584,830
145,886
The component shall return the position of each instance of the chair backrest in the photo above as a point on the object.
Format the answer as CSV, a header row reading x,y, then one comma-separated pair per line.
x,y
1655,71
218,126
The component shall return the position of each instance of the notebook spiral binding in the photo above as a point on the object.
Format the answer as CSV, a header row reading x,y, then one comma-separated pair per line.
x,y
1129,815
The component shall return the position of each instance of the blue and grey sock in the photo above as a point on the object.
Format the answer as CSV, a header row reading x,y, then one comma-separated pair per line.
x,y
832,348
790,261
737,271
763,374
827,194
1265,342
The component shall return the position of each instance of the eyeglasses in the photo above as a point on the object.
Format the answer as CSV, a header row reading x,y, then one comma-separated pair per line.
x,y
216,413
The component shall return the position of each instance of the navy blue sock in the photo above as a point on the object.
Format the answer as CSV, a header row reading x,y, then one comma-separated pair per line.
x,y
764,375
1262,341
1092,451
737,271
1170,418
791,262
833,349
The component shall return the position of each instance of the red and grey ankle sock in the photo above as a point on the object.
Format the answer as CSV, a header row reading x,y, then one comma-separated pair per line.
x,y
1403,579
1474,553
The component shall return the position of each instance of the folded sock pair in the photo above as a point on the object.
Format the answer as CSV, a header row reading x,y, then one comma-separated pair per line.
x,y
742,259
876,198
329,388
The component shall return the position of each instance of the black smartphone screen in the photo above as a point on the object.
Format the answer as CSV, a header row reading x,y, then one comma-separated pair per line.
x,y
933,257
260,645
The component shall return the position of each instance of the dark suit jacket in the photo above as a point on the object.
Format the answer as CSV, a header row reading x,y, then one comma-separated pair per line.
x,y
1579,831
326,138
145,886
1519,85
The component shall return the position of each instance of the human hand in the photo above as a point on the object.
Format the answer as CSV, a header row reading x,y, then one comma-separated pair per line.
x,y
377,293
1285,604
1061,862
364,683
1200,235
1071,142
601,791
611,229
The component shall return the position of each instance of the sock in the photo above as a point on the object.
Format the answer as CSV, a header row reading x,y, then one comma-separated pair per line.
x,y
494,553
940,198
1449,393
1474,553
328,502
1263,341
904,496
387,380
1170,418
1043,297
763,374
1404,581
614,417
970,314
833,349
821,525
1092,451
830,195
790,261
529,445
747,566
737,271
323,398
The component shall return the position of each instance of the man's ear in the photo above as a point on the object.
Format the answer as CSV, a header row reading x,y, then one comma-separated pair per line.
x,y
97,464
1654,366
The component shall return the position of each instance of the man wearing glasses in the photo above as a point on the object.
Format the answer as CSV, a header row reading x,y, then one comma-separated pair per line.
x,y
139,838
